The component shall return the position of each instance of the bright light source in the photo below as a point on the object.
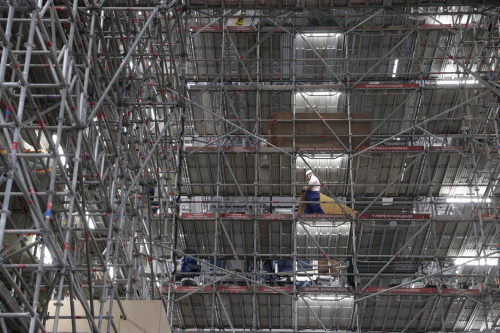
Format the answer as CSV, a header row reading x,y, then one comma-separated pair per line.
x,y
47,257
329,298
319,34
403,174
320,93
321,157
283,211
152,113
456,82
451,19
480,262
325,224
326,298
91,222
388,201
467,200
395,68
111,271
59,150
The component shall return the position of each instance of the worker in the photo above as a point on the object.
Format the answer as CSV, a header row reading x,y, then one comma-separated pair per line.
x,y
312,194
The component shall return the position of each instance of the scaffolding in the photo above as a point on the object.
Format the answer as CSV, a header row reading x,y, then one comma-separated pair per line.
x,y
141,136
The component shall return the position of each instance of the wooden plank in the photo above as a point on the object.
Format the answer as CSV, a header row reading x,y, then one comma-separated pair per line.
x,y
144,316
82,324
329,205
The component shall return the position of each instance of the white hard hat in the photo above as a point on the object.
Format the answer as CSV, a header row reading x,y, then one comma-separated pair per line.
x,y
308,172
